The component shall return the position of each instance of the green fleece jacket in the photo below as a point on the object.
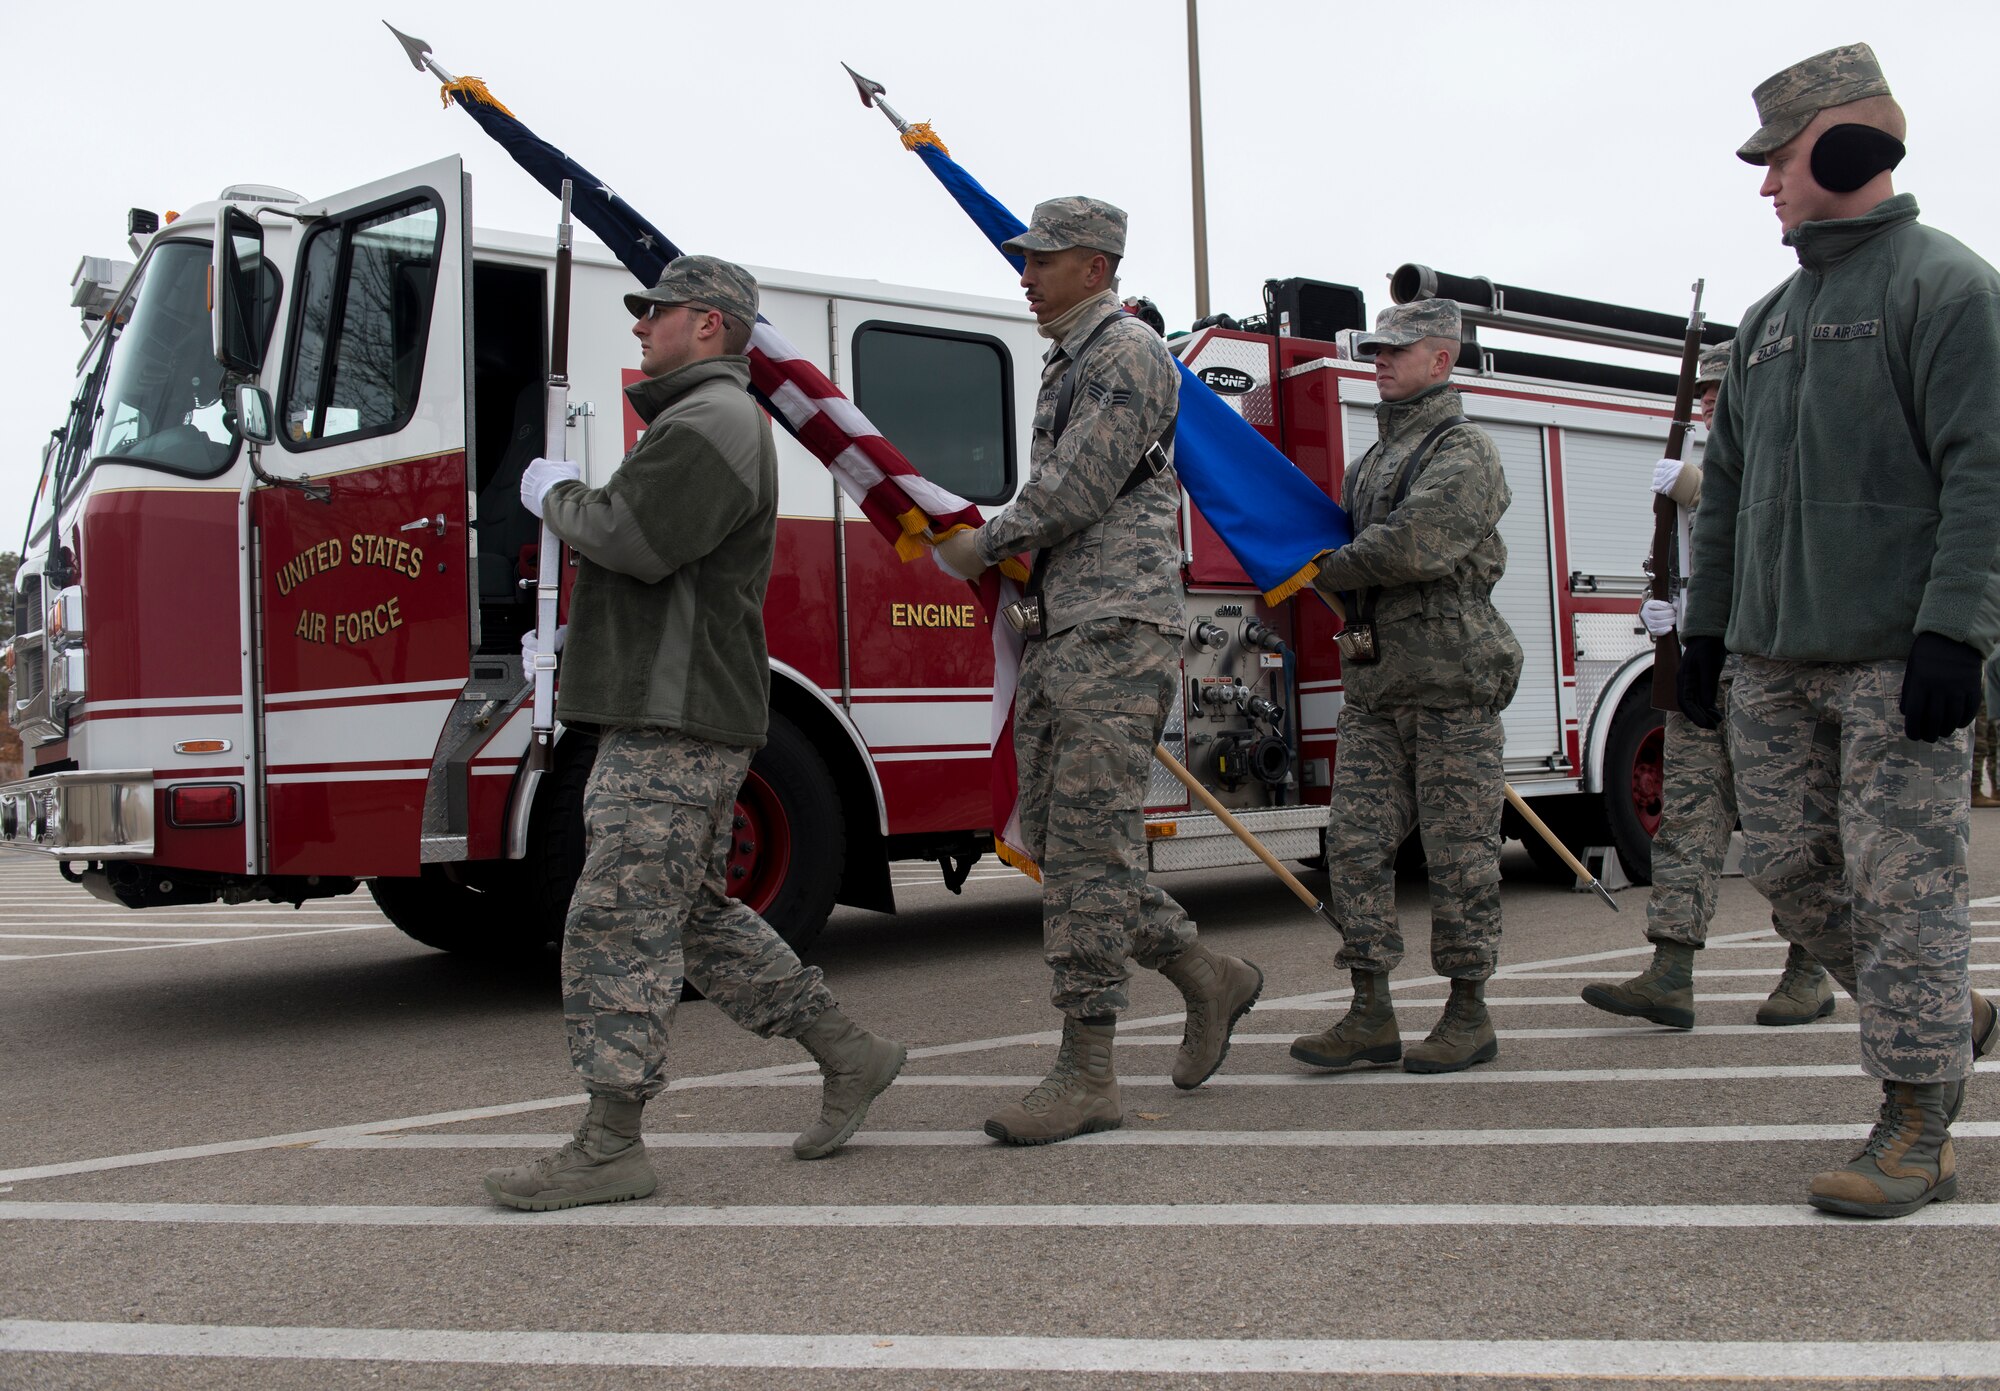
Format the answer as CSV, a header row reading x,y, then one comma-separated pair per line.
x,y
666,625
1851,484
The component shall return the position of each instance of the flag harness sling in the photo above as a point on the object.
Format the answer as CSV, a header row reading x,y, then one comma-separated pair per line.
x,y
1357,640
1026,614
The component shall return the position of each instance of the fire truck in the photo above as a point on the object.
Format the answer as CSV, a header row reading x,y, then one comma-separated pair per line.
x,y
269,612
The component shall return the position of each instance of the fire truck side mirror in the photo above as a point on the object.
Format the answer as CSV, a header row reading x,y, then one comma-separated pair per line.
x,y
245,297
250,415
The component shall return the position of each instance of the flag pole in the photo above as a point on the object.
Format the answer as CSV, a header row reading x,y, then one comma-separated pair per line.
x,y
1304,895
1200,177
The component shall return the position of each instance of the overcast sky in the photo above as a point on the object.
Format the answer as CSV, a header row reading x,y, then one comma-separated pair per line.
x,y
1580,148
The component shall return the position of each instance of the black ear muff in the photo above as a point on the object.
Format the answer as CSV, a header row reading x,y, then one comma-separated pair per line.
x,y
1848,156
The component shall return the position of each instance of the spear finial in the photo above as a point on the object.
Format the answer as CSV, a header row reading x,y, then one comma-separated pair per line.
x,y
872,93
419,54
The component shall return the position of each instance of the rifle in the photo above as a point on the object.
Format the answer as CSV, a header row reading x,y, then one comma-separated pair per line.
x,y
1666,517
548,582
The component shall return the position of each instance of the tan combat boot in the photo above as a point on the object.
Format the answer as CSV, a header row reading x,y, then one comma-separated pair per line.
x,y
1463,1036
1804,992
1984,1016
1079,1095
604,1163
1906,1163
1663,992
858,1067
1365,1034
1219,990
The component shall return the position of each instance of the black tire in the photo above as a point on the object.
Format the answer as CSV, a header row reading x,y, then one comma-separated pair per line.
x,y
483,919
1632,780
1547,863
791,792
789,806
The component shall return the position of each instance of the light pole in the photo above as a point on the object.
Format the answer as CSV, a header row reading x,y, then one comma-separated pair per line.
x,y
1200,180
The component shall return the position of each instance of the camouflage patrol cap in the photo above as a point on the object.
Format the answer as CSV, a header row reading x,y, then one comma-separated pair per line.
x,y
1402,324
1062,223
1713,364
705,280
1787,101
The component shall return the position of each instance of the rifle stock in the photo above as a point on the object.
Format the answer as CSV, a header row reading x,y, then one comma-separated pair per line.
x,y
1666,517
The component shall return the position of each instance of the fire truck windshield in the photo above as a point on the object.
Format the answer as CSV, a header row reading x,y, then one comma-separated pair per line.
x,y
162,401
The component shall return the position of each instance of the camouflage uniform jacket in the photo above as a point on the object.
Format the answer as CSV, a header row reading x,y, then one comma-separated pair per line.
x,y
1851,483
1109,557
666,624
1436,559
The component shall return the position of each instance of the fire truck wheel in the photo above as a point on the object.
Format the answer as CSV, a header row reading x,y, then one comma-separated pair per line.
x,y
791,843
1632,780
465,919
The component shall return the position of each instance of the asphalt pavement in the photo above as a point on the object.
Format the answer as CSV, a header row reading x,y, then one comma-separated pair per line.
x,y
242,1146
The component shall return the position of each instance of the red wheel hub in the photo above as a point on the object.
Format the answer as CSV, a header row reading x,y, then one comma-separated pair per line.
x,y
760,848
1648,786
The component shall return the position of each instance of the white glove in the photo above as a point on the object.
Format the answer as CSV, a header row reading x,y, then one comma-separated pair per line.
x,y
1658,616
958,555
542,475
1665,474
529,647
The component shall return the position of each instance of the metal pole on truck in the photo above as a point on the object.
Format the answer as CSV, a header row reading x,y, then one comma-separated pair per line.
x,y
1200,177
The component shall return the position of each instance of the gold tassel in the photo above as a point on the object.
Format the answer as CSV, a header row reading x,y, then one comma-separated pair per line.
x,y
1008,855
473,89
1292,585
922,134
1014,570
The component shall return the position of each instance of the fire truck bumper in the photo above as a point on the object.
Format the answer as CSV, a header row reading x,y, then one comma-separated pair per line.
x,y
80,816
1203,842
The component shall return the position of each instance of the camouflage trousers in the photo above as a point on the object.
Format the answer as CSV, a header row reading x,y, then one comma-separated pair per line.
x,y
653,904
1091,704
1985,752
1438,770
1697,817
1838,806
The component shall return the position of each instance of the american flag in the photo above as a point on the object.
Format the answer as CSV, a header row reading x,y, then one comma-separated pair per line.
x,y
911,512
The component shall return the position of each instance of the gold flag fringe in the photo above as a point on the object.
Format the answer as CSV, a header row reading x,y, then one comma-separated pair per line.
x,y
922,134
473,89
1293,585
1008,855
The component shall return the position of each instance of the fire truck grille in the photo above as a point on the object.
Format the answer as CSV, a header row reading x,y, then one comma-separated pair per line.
x,y
28,668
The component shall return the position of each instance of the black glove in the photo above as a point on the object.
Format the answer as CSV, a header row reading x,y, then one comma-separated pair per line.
x,y
1940,687
1701,676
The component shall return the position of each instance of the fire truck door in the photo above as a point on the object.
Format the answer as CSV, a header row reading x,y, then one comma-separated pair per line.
x,y
364,578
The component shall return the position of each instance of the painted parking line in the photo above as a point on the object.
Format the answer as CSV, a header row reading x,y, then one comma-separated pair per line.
x,y
199,942
1766,972
1493,1001
888,1351
1639,1028
1397,1078
1189,1139
1677,1217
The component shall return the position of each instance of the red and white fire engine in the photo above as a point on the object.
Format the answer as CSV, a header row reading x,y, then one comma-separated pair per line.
x,y
281,669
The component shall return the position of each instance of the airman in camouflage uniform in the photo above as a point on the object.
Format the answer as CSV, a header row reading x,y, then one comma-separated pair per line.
x,y
666,659
1697,818
1096,686
1420,735
1843,567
